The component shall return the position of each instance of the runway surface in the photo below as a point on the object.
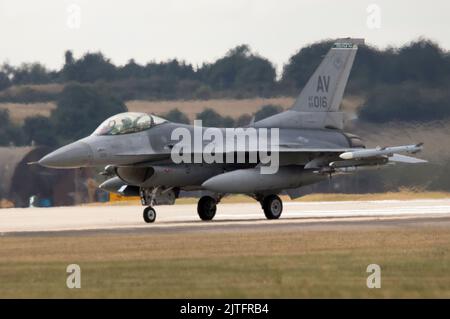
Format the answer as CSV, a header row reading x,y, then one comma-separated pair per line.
x,y
95,219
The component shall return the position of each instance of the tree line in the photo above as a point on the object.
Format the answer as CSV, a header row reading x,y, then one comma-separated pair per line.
x,y
240,71
80,109
400,84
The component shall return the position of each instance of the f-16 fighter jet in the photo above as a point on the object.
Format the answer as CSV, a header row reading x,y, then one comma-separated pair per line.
x,y
153,158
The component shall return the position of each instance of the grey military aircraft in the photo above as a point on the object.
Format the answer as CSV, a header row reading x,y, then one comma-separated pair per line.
x,y
137,149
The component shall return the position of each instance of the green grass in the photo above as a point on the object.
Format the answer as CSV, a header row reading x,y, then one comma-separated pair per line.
x,y
415,263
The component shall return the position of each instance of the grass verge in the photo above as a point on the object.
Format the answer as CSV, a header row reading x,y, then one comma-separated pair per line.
x,y
415,263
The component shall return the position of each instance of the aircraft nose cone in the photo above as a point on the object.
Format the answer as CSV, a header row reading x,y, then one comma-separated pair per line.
x,y
77,154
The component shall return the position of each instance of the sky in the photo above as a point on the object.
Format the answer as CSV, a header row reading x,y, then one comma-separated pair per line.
x,y
200,31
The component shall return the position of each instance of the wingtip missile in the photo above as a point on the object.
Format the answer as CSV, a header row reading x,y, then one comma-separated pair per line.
x,y
381,151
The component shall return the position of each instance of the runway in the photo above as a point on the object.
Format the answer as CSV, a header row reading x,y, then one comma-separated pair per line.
x,y
176,218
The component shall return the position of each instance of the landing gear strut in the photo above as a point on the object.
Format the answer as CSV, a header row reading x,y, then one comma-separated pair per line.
x,y
149,214
272,206
207,207
148,198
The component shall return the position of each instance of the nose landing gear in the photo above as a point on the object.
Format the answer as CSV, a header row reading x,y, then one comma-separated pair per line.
x,y
149,214
148,198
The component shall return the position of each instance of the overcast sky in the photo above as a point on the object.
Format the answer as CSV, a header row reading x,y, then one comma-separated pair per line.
x,y
203,30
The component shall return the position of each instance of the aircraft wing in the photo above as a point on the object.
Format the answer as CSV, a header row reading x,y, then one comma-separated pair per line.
x,y
364,154
343,157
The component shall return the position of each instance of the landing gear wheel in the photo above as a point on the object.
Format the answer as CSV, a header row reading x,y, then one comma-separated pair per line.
x,y
206,208
272,206
149,214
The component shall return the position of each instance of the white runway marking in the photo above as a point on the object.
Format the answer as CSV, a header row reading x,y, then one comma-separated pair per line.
x,y
121,217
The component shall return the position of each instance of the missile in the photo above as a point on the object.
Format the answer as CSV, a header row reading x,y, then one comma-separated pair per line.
x,y
380,151
251,181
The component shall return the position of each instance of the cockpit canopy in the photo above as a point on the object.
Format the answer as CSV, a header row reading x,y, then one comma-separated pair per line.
x,y
126,123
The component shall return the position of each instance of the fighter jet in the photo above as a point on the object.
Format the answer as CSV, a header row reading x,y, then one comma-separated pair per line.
x,y
144,155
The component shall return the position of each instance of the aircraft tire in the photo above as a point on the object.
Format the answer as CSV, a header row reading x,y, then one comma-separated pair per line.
x,y
149,214
206,208
272,206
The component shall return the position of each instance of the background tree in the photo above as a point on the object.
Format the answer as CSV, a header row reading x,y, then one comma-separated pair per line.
x,y
203,92
422,61
210,118
31,73
405,102
40,130
267,110
80,109
90,68
240,69
176,116
243,120
131,70
172,69
302,64
10,134
68,58
242,73
4,81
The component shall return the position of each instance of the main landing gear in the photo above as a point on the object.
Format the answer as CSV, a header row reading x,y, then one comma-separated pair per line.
x,y
206,208
272,206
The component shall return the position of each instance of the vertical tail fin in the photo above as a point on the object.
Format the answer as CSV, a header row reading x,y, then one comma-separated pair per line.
x,y
318,104
324,90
